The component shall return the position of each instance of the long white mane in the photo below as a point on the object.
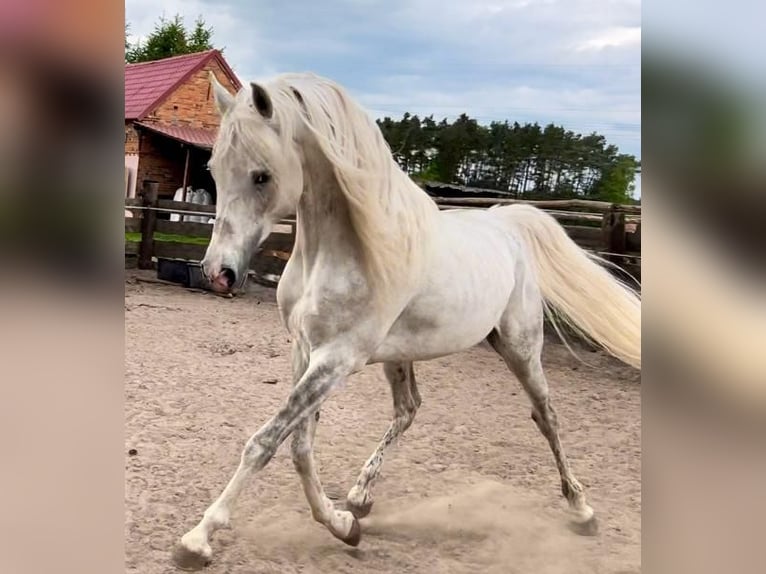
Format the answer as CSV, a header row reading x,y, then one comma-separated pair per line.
x,y
392,217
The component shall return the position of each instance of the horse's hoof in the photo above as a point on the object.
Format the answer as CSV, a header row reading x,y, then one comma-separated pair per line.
x,y
186,559
587,528
359,510
355,535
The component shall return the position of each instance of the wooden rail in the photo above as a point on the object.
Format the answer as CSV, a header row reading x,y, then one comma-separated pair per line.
x,y
155,244
555,204
479,201
614,231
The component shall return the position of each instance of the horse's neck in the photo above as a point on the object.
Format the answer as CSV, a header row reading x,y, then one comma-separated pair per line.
x,y
326,232
323,222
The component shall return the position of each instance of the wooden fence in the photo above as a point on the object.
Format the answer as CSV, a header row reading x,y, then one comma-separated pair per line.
x,y
611,230
155,244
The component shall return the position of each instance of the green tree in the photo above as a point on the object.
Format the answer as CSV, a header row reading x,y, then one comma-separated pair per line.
x,y
201,38
521,160
617,182
170,38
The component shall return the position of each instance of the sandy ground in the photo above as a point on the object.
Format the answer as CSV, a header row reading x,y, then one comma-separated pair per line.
x,y
472,486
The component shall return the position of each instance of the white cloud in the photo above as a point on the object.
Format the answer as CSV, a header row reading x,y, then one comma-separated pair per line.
x,y
239,37
617,37
493,59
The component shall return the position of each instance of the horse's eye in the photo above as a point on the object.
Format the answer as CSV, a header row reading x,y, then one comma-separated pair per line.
x,y
260,177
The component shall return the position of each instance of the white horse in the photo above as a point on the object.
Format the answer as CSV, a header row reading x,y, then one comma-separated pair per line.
x,y
201,197
198,196
179,196
379,275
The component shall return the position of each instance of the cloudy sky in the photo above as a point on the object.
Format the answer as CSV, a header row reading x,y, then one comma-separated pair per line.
x,y
572,62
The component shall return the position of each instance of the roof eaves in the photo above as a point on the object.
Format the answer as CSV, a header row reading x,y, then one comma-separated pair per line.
x,y
227,70
160,131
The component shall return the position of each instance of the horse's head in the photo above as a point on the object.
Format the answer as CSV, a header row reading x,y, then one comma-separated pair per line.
x,y
258,175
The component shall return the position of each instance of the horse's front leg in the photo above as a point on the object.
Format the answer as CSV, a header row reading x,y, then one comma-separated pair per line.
x,y
325,371
341,523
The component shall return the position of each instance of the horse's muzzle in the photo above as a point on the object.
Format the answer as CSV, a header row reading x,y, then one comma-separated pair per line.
x,y
222,280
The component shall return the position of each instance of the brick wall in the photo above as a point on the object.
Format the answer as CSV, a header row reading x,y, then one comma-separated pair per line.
x,y
162,160
131,138
191,104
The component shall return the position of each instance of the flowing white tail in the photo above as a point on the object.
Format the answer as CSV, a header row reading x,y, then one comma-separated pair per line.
x,y
577,285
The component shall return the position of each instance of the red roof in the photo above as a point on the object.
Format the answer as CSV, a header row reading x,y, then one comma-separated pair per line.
x,y
147,84
199,137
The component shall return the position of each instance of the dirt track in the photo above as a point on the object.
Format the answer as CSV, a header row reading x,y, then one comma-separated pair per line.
x,y
472,486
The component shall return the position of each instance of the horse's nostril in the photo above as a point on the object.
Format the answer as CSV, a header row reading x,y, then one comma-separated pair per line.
x,y
229,275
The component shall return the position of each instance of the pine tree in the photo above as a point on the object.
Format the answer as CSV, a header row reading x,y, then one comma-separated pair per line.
x,y
170,38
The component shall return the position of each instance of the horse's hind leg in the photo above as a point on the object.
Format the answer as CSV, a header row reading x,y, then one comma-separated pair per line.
x,y
341,523
401,378
519,341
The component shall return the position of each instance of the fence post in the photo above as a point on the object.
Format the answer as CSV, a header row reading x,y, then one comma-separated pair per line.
x,y
613,230
149,196
633,240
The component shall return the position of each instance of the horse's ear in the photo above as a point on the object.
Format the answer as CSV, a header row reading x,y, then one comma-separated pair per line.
x,y
262,100
223,99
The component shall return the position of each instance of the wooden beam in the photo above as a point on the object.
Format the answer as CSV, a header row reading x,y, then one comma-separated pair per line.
x,y
613,230
185,228
149,221
633,240
587,237
600,206
276,242
559,214
169,204
186,176
133,224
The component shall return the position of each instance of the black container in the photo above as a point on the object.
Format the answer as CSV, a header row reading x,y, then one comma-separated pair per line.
x,y
196,278
173,270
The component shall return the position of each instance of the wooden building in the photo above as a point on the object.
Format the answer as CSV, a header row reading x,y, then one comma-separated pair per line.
x,y
171,121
